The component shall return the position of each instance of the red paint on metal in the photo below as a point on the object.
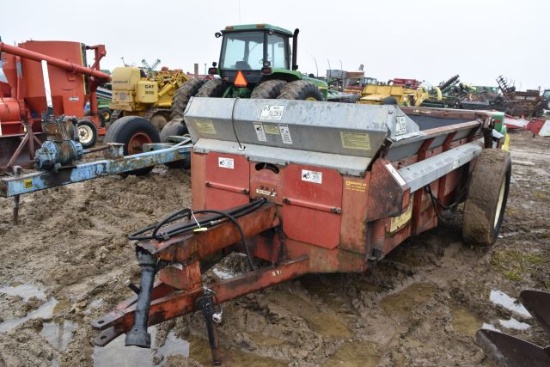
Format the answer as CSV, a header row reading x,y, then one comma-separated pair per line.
x,y
198,178
265,182
353,233
306,223
229,171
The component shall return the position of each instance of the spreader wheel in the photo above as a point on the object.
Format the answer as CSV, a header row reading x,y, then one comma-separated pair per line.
x,y
301,90
487,195
133,132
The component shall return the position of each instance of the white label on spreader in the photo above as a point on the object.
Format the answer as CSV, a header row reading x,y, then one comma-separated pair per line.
x,y
272,113
285,134
312,176
228,163
260,132
400,125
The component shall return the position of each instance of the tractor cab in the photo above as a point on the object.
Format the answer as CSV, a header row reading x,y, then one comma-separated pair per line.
x,y
254,53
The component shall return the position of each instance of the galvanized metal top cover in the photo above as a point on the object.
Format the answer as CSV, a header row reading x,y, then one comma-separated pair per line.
x,y
255,125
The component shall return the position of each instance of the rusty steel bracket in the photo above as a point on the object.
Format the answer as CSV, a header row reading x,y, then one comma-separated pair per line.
x,y
168,302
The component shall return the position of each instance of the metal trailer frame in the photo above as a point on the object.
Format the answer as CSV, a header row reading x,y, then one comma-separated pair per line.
x,y
309,187
114,163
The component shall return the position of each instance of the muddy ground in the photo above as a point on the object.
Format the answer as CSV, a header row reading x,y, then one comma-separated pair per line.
x,y
67,261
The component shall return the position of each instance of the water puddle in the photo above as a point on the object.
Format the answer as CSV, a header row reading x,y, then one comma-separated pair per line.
x,y
500,298
514,324
465,321
27,292
400,305
355,355
117,354
58,333
510,303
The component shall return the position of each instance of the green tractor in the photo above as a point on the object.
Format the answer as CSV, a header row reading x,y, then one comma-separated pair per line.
x,y
256,61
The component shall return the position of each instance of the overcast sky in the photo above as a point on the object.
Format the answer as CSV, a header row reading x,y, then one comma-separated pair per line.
x,y
429,40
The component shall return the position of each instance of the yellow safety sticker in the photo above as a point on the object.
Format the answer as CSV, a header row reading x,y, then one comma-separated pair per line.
x,y
271,129
205,127
360,141
27,184
401,220
355,186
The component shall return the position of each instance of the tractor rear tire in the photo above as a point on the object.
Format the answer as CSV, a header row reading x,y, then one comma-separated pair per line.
x,y
270,89
87,133
183,95
212,88
487,195
133,132
301,90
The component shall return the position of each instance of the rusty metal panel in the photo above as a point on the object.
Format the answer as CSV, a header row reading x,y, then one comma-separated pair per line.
x,y
198,195
227,180
354,214
312,205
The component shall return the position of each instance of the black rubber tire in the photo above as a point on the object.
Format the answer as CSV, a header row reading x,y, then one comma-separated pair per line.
x,y
175,127
87,133
106,113
159,121
301,90
133,131
270,89
183,95
389,101
487,195
212,88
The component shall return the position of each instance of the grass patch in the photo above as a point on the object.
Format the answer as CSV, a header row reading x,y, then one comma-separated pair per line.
x,y
514,264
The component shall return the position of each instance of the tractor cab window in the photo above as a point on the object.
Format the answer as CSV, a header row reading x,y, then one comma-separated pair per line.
x,y
276,51
243,51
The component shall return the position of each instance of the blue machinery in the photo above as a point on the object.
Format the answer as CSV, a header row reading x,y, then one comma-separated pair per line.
x,y
113,164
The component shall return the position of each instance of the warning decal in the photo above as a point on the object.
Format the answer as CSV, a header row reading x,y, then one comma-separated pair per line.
x,y
359,141
205,127
228,163
312,176
285,134
260,132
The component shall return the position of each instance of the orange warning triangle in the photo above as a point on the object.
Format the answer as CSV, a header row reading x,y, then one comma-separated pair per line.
x,y
240,80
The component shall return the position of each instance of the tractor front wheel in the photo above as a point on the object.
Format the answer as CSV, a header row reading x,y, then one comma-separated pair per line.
x,y
301,90
487,195
133,132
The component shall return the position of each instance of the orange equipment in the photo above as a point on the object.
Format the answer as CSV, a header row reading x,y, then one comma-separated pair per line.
x,y
23,95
